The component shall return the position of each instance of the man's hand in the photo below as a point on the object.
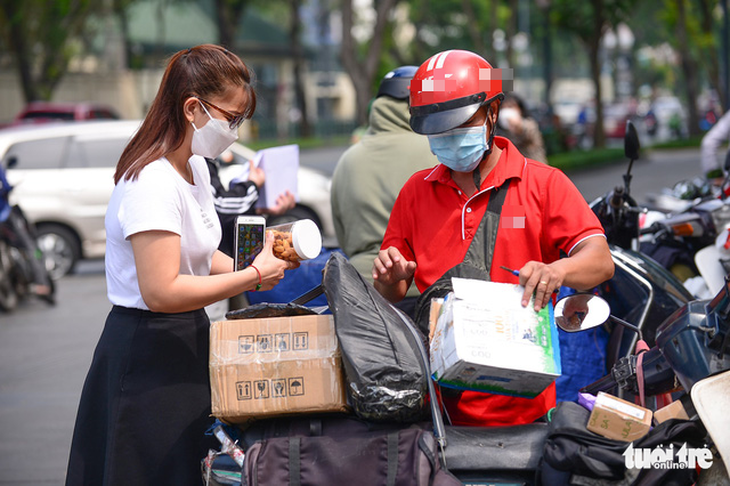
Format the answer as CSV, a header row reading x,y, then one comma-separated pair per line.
x,y
390,267
392,274
541,279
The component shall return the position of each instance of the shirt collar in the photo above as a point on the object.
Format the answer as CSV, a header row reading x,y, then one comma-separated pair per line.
x,y
510,165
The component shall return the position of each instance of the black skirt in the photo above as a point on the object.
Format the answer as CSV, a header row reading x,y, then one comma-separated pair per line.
x,y
145,406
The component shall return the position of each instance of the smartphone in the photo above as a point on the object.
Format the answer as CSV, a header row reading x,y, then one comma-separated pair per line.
x,y
250,231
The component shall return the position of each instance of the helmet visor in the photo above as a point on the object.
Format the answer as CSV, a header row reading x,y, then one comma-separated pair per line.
x,y
440,117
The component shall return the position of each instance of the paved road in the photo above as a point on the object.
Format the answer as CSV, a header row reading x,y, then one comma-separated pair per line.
x,y
45,351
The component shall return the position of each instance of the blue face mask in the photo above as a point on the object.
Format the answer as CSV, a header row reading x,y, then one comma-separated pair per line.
x,y
460,149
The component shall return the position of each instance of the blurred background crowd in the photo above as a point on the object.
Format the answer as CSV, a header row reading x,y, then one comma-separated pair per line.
x,y
663,64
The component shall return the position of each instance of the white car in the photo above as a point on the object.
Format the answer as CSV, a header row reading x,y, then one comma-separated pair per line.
x,y
62,178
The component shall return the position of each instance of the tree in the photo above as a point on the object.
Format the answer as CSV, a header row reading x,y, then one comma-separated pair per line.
x,y
589,21
295,27
228,15
689,66
41,36
362,68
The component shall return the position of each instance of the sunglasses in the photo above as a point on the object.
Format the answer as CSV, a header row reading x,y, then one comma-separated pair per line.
x,y
234,121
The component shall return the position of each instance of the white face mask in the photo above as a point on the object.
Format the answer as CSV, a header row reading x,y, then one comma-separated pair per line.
x,y
213,138
506,115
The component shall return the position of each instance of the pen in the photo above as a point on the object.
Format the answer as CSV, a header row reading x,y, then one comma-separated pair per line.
x,y
516,273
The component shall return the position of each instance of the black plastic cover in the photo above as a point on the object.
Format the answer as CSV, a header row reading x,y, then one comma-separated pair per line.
x,y
386,380
260,311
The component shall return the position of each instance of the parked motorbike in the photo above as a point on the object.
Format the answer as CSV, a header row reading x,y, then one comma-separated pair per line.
x,y
701,212
641,290
690,357
23,268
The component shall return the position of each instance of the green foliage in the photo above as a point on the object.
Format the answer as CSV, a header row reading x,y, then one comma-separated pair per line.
x,y
43,36
579,159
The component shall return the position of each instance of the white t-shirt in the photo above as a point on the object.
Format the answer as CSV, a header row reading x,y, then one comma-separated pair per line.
x,y
159,199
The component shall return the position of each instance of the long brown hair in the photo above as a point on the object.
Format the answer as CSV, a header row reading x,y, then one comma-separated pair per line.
x,y
204,71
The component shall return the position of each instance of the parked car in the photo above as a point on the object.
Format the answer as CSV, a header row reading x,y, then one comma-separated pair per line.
x,y
63,177
46,111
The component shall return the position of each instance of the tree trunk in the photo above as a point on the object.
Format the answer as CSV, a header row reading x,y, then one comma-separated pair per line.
x,y
690,70
511,30
297,51
599,137
475,32
228,15
713,64
362,71
17,43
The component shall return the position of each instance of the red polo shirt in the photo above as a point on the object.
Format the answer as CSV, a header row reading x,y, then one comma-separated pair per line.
x,y
433,223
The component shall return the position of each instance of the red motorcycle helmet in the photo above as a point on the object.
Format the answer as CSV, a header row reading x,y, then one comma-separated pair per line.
x,y
448,89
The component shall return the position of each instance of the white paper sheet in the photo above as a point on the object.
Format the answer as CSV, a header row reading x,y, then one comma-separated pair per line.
x,y
281,166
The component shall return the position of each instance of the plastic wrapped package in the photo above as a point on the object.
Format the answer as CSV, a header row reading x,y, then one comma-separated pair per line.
x,y
263,310
296,241
275,366
386,379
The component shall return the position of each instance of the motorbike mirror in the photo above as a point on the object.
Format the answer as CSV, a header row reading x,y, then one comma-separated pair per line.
x,y
580,312
631,142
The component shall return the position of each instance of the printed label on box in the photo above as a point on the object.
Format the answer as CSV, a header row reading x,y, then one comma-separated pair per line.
x,y
301,341
246,344
623,408
243,390
296,386
282,341
278,388
261,389
264,343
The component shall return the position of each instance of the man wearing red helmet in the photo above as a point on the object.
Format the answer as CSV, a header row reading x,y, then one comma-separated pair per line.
x,y
485,206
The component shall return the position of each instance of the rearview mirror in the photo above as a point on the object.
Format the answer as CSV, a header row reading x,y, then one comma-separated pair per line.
x,y
631,142
580,312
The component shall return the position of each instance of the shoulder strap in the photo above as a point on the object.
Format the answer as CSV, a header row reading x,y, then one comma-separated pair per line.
x,y
481,249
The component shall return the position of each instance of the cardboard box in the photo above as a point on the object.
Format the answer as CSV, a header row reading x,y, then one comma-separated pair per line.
x,y
276,366
674,410
485,340
618,419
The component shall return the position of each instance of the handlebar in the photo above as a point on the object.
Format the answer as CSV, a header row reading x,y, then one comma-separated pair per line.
x,y
658,376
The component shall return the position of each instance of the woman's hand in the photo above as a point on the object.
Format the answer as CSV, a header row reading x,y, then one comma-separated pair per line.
x,y
271,268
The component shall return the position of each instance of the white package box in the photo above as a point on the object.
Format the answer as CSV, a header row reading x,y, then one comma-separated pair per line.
x,y
486,341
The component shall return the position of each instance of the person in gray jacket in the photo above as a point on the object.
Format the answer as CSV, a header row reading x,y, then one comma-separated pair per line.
x,y
370,174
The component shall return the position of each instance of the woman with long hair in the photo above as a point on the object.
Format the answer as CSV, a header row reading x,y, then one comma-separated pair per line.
x,y
145,405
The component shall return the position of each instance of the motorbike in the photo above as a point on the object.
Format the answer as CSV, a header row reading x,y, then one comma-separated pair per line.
x,y
690,363
23,269
641,290
682,239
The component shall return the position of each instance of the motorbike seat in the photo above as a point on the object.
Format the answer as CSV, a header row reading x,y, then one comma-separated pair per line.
x,y
508,448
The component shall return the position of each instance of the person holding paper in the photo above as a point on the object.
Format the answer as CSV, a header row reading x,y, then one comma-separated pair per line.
x,y
145,405
485,200
240,198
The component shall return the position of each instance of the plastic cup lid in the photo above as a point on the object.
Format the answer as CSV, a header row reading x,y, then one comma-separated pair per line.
x,y
306,238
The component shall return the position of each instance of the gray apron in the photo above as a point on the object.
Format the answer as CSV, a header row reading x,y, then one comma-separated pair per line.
x,y
476,263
